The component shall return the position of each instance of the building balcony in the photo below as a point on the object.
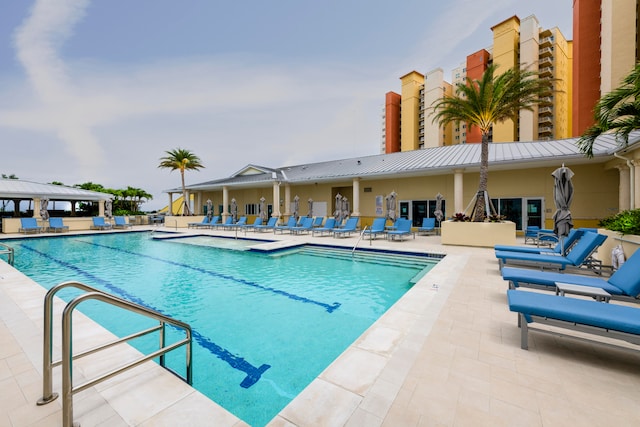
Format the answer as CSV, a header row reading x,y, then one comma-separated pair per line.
x,y
545,110
546,41
545,130
545,120
547,61
546,72
547,51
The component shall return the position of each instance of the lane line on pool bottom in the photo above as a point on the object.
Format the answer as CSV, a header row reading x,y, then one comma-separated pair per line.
x,y
236,362
329,307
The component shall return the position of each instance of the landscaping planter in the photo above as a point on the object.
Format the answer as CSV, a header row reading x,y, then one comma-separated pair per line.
x,y
483,234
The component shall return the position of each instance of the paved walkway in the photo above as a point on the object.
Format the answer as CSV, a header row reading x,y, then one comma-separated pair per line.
x,y
447,354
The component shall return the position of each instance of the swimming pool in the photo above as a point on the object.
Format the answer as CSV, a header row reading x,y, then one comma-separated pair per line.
x,y
265,325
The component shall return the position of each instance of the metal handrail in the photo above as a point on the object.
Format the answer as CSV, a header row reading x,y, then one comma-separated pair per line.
x,y
67,357
358,241
9,251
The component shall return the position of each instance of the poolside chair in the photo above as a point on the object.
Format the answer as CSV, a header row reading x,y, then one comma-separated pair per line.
x,y
29,225
378,227
306,225
242,221
329,226
206,222
609,320
580,255
565,244
270,225
120,222
256,222
536,235
428,226
215,221
402,229
624,283
291,223
57,225
349,227
228,221
100,224
318,221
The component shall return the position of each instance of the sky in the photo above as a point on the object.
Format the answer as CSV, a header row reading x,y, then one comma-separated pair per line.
x,y
98,91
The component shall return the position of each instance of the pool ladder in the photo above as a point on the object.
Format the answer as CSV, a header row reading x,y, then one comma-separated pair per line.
x,y
8,250
68,390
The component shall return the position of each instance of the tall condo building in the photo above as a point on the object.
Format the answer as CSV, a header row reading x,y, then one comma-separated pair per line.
x,y
515,43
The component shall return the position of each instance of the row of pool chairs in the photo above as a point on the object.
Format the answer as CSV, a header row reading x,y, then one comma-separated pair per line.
x,y
540,278
318,226
56,225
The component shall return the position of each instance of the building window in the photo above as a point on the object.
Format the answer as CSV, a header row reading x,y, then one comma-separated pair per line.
x,y
250,209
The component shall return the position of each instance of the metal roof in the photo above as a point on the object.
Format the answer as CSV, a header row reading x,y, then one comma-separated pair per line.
x,y
19,189
430,161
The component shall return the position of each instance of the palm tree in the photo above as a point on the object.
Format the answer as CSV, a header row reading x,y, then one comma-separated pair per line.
x,y
617,112
492,99
181,160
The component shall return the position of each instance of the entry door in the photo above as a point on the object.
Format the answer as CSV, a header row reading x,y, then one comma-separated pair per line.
x,y
404,209
534,213
420,209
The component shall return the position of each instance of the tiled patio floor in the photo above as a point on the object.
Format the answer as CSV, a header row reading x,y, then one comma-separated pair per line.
x,y
447,354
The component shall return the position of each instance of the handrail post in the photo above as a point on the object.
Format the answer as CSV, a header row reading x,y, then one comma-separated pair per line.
x,y
162,338
67,367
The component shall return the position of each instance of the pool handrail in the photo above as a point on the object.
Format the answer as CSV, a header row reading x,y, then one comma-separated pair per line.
x,y
6,249
67,357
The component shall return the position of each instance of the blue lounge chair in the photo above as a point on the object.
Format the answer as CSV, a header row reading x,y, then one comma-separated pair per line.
x,y
306,225
291,223
120,222
242,221
349,227
215,221
318,221
57,225
228,221
537,235
329,226
565,244
402,229
610,320
206,222
100,224
624,283
378,227
579,256
256,222
270,225
29,225
428,226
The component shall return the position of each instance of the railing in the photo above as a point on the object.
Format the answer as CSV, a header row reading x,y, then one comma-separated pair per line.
x,y
68,390
8,250
358,241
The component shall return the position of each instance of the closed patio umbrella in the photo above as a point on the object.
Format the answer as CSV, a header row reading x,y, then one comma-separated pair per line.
x,y
44,213
108,207
234,210
562,195
209,209
263,210
391,205
345,208
310,203
296,207
338,212
438,211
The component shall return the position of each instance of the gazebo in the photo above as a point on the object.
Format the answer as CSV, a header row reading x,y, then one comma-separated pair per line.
x,y
15,191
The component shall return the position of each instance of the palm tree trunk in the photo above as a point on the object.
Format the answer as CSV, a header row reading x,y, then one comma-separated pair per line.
x,y
479,209
185,204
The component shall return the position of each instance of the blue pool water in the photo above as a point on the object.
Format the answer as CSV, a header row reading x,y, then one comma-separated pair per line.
x,y
265,325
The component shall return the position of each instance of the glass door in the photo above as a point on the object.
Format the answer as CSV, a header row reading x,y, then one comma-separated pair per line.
x,y
534,213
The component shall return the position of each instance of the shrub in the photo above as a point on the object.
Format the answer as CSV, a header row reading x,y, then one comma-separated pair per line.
x,y
625,222
460,217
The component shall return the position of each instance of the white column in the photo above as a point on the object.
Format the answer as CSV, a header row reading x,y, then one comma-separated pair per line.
x,y
458,191
276,200
170,211
624,188
101,208
635,201
287,201
356,197
36,208
225,203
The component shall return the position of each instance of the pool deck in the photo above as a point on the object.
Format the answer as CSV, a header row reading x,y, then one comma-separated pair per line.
x,y
446,354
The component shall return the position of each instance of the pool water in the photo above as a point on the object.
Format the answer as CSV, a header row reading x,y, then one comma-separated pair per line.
x,y
265,325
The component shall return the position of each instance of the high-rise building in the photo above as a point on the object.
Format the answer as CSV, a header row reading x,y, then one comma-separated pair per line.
x,y
515,43
605,50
